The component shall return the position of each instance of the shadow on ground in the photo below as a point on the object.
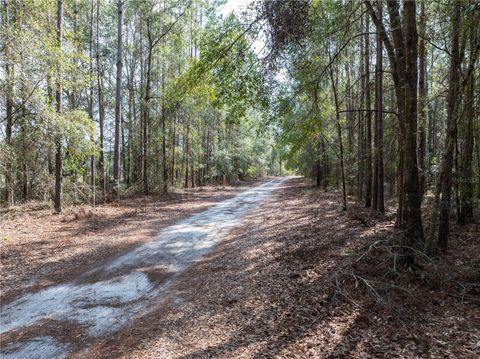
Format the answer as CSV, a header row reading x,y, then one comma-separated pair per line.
x,y
279,286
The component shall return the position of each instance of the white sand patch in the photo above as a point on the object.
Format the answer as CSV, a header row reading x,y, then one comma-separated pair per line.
x,y
36,348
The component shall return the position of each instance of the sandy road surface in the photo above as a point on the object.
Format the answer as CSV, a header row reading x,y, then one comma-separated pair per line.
x,y
111,295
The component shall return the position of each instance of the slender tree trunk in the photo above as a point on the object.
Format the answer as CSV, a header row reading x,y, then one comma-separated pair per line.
x,y
350,113
118,99
431,129
422,95
90,102
25,156
72,95
192,176
368,120
58,98
477,141
51,100
187,153
164,138
8,110
398,65
340,141
467,186
360,139
444,184
324,160
206,174
174,144
146,115
131,173
318,174
378,177
123,151
101,106
413,196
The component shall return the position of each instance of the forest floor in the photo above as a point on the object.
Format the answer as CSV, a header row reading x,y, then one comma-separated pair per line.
x,y
298,278
287,284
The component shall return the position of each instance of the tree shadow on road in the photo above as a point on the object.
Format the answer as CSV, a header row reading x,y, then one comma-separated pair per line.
x,y
271,289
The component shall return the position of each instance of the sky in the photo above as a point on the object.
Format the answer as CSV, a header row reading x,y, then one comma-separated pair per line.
x,y
235,5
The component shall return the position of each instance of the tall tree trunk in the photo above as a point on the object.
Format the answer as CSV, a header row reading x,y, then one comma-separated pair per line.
x,y
361,115
164,137
123,151
444,184
422,96
378,177
118,99
90,102
8,110
101,106
132,167
25,156
58,98
146,115
413,197
368,121
339,133
431,128
467,186
402,55
72,95
350,113
174,144
187,150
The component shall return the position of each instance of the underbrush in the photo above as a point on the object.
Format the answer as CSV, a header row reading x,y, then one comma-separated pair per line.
x,y
376,270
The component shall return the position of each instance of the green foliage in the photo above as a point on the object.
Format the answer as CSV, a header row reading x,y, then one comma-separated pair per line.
x,y
78,130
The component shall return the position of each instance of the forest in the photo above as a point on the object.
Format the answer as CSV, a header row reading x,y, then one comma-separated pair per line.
x,y
358,114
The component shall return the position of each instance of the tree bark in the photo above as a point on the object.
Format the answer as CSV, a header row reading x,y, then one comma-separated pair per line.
x,y
339,133
368,121
403,55
174,144
146,115
164,137
90,104
422,97
443,189
101,106
187,150
467,186
361,115
58,97
413,198
118,99
378,176
8,110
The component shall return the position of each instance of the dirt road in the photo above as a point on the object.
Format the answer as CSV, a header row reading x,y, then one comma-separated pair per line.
x,y
109,297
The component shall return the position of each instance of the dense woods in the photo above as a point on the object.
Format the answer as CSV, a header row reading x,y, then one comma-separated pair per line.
x,y
416,141
101,97
378,99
